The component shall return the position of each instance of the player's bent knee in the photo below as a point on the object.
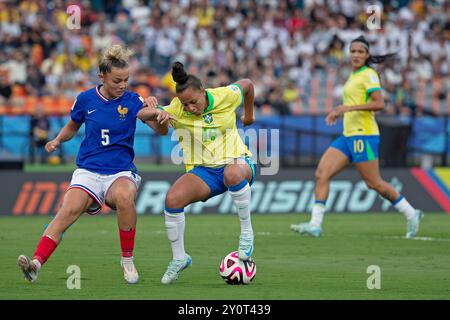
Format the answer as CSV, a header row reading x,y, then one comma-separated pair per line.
x,y
321,175
233,177
174,200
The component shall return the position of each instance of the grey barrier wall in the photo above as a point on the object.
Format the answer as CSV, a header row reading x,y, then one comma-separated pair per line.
x,y
290,191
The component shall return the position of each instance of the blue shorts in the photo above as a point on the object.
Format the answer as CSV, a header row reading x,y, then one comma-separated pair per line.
x,y
358,148
213,177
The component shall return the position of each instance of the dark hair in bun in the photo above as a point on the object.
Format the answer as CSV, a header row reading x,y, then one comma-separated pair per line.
x,y
183,79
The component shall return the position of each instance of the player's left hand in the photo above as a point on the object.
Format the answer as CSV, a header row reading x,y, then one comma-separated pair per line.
x,y
247,121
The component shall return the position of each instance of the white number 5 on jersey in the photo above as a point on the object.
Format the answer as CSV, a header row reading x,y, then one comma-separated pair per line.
x,y
105,137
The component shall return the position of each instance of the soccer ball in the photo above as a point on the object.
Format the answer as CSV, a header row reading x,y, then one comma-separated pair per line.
x,y
235,271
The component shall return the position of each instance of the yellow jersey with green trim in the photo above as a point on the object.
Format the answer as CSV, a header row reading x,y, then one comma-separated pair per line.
x,y
210,139
357,90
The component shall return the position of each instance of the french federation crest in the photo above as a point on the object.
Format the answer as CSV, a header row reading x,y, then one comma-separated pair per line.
x,y
208,118
122,112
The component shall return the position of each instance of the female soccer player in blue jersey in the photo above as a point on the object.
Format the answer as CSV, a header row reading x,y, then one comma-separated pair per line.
x,y
215,156
106,173
359,142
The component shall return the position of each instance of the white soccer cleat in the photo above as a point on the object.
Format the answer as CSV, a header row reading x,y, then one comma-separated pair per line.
x,y
245,249
307,228
130,273
174,269
30,268
412,226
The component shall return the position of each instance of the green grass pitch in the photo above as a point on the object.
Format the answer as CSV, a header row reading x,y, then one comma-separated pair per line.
x,y
289,267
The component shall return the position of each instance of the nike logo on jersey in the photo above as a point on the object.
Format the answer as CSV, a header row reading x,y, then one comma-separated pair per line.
x,y
90,111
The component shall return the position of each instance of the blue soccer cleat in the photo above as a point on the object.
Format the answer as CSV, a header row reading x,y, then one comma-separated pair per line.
x,y
307,228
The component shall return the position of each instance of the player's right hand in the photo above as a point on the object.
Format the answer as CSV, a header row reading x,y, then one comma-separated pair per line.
x,y
332,118
52,145
246,121
151,102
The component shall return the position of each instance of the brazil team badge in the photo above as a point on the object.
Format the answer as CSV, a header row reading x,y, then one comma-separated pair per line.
x,y
208,118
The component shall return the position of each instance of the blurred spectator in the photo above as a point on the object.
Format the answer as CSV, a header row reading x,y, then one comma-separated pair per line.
x,y
35,84
5,86
291,96
17,67
423,69
276,101
39,135
335,52
273,42
406,99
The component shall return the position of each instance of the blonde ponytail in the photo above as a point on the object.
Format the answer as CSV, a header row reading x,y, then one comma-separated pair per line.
x,y
114,56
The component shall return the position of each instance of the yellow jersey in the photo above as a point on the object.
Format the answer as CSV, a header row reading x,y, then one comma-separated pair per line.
x,y
357,90
210,139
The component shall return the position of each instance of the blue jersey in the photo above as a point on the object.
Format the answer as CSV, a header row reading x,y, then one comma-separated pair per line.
x,y
109,130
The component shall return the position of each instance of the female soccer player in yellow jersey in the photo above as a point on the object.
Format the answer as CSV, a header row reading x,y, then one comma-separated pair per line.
x,y
215,156
359,142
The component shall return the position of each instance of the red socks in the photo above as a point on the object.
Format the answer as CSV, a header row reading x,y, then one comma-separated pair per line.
x,y
127,242
46,246
45,249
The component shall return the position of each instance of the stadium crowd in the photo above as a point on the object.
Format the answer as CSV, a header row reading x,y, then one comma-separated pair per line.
x,y
281,45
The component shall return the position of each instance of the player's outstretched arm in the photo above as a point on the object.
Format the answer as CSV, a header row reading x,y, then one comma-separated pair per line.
x,y
66,133
161,129
154,117
249,97
377,104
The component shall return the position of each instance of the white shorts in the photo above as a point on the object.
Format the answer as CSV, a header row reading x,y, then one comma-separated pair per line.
x,y
97,185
